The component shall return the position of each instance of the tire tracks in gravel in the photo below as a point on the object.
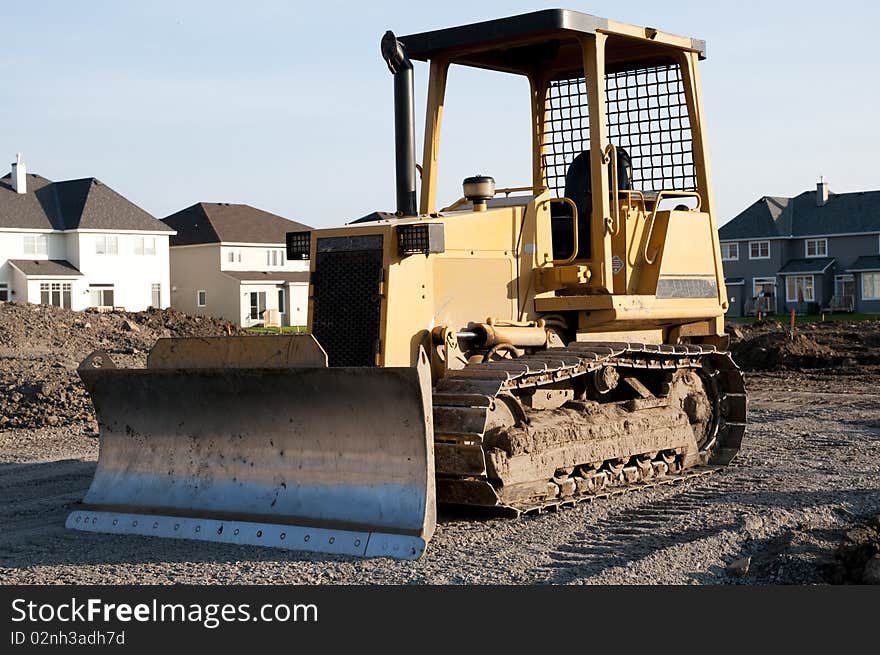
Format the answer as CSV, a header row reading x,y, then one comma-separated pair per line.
x,y
713,511
637,531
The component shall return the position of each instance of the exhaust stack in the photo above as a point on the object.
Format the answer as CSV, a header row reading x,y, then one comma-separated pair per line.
x,y
401,67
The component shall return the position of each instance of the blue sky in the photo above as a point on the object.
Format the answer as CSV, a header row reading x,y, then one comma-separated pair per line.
x,y
287,106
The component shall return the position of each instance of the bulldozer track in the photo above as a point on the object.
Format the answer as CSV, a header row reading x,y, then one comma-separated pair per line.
x,y
463,398
635,487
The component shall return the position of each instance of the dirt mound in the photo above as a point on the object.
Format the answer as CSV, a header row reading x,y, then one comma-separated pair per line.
x,y
846,347
25,327
41,346
775,350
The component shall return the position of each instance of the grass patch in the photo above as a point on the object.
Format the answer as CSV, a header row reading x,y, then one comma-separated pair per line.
x,y
287,329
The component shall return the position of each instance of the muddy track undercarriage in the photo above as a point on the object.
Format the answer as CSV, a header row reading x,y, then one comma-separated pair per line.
x,y
564,425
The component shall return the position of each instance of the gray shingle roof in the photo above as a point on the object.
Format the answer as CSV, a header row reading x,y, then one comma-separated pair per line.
x,y
53,267
269,276
215,222
866,263
844,213
767,217
811,265
71,205
36,209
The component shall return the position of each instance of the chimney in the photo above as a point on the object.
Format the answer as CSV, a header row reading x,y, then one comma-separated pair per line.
x,y
821,192
19,175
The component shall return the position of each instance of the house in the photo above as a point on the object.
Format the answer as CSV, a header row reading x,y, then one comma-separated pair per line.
x,y
79,244
229,261
818,251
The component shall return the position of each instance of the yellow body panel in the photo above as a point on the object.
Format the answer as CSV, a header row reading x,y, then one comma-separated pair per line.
x,y
496,263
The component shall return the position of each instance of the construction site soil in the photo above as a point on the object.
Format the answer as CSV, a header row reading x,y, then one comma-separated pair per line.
x,y
799,505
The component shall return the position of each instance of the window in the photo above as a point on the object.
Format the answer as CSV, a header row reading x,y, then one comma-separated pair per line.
x,y
281,300
156,295
106,244
101,295
816,247
799,288
871,286
729,251
144,245
759,250
36,244
230,256
274,258
4,292
55,293
201,298
258,304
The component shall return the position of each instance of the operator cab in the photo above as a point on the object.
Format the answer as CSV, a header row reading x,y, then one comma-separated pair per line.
x,y
600,91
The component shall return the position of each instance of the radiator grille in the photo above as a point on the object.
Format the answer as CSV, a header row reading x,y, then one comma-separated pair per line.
x,y
346,304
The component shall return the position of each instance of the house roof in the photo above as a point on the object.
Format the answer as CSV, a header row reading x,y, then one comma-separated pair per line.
x,y
269,276
219,222
811,265
70,205
774,216
866,263
46,267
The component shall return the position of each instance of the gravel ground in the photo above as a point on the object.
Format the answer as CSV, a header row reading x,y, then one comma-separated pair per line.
x,y
807,473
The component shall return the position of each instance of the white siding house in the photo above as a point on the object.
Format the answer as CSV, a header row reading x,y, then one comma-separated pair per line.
x,y
229,261
79,244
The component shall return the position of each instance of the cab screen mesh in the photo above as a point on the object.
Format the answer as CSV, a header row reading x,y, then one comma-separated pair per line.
x,y
647,116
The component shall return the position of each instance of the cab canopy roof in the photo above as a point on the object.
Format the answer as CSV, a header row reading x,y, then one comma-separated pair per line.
x,y
547,41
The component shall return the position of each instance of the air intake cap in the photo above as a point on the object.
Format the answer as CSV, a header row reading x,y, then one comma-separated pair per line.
x,y
479,188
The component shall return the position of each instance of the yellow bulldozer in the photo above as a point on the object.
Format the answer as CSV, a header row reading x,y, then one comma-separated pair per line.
x,y
524,347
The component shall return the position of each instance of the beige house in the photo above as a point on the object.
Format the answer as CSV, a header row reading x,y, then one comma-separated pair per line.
x,y
229,261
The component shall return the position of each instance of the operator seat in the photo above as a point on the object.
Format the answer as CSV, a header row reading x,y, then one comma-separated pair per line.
x,y
578,187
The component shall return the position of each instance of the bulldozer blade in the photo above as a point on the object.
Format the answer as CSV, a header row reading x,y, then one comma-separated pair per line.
x,y
274,351
334,460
